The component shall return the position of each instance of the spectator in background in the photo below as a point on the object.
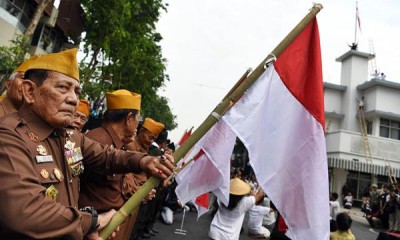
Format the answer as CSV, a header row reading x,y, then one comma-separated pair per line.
x,y
269,219
256,215
228,220
348,200
171,203
384,216
344,223
334,206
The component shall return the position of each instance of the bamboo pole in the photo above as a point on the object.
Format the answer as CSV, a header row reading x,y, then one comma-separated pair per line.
x,y
212,119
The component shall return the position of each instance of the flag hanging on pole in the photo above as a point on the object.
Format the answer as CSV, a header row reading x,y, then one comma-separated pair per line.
x,y
358,17
185,136
280,120
210,169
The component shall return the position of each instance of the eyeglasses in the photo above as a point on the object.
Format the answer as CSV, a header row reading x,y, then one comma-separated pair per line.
x,y
81,118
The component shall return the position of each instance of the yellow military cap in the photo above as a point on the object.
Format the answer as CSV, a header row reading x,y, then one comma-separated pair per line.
x,y
123,99
63,62
239,187
83,107
154,127
26,64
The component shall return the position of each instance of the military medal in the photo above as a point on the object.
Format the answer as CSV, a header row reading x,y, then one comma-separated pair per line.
x,y
76,169
44,173
69,145
58,174
52,192
32,137
41,150
70,132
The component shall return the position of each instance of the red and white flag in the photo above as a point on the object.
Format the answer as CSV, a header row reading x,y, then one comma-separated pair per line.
x,y
210,169
358,17
280,120
185,136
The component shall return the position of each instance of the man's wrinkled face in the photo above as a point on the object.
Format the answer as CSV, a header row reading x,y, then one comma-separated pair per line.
x,y
146,138
55,101
79,120
13,86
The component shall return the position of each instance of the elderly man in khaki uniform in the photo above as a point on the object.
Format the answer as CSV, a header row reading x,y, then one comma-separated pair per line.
x,y
102,191
81,115
13,98
148,132
41,160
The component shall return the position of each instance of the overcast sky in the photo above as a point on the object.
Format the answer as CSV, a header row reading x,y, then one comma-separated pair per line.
x,y
209,44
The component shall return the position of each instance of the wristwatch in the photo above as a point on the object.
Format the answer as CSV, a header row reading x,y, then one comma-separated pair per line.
x,y
93,226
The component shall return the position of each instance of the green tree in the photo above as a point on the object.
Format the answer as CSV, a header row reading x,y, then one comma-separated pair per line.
x,y
122,50
11,57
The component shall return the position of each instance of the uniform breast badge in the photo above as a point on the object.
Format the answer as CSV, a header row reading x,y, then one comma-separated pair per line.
x,y
76,169
44,173
41,150
32,137
69,144
58,174
52,193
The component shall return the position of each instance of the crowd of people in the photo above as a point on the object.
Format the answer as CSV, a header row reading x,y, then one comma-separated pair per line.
x,y
382,206
58,183
61,183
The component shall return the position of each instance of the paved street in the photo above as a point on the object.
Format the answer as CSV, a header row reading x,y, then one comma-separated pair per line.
x,y
196,230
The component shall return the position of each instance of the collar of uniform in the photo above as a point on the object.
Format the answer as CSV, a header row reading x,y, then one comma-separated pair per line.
x,y
37,125
118,144
8,106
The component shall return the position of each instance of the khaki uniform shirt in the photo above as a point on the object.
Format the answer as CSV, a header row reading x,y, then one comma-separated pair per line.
x,y
40,177
103,192
133,181
6,107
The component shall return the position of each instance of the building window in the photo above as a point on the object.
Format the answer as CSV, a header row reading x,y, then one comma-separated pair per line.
x,y
369,127
48,39
357,183
22,10
389,129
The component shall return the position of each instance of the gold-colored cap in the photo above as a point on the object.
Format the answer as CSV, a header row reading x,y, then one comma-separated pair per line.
x,y
83,107
63,62
154,127
26,64
123,99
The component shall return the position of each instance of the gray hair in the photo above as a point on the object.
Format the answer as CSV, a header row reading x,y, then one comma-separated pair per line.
x,y
13,76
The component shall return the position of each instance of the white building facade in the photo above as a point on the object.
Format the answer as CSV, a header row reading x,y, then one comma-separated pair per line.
x,y
350,167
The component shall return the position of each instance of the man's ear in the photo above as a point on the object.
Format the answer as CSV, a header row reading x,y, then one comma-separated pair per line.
x,y
7,84
28,87
128,118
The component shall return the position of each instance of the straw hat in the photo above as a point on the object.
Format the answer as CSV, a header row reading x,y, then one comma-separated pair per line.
x,y
239,187
123,99
154,127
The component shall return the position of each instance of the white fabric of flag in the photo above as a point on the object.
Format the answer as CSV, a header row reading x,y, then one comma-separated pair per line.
x,y
211,171
280,123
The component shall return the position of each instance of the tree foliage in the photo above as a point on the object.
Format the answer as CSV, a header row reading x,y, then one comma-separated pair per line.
x,y
11,56
122,50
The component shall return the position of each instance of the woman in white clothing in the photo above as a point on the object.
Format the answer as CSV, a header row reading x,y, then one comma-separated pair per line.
x,y
256,215
228,220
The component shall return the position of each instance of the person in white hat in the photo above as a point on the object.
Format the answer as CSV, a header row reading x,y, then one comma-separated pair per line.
x,y
228,220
